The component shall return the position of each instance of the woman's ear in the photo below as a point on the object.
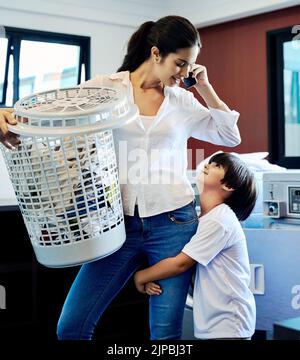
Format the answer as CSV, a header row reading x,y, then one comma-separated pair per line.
x,y
155,54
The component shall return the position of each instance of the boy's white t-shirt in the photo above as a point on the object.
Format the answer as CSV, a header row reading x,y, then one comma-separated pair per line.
x,y
224,306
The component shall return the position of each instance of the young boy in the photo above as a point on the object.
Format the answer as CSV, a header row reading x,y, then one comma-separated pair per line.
x,y
224,306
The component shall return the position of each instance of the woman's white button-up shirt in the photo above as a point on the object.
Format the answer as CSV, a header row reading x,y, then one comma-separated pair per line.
x,y
152,160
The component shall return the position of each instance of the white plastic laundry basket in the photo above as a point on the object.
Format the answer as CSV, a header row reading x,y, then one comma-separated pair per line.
x,y
64,172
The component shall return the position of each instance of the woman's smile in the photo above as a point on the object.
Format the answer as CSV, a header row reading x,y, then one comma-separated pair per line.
x,y
175,80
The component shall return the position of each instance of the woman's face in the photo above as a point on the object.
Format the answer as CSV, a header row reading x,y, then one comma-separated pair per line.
x,y
175,66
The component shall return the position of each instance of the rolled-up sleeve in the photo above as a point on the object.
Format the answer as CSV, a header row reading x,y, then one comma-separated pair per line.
x,y
213,125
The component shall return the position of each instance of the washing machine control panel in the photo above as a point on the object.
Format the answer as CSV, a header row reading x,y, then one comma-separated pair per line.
x,y
281,194
294,200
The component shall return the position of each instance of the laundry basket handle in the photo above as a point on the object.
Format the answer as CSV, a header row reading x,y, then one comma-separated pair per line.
x,y
27,130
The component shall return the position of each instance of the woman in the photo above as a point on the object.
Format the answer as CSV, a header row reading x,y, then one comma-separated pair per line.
x,y
158,201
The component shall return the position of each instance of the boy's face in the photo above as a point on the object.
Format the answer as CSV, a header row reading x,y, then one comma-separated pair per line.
x,y
210,177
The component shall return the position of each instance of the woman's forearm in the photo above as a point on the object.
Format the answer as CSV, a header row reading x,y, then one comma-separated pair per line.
x,y
210,97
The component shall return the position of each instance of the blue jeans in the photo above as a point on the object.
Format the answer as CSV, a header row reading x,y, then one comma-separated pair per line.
x,y
97,283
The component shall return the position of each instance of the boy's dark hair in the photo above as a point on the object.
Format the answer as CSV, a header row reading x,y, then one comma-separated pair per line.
x,y
168,34
241,179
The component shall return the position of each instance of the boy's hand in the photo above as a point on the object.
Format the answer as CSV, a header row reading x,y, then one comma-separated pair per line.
x,y
138,284
152,289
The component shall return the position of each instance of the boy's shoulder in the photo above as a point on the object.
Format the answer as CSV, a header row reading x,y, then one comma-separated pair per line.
x,y
224,215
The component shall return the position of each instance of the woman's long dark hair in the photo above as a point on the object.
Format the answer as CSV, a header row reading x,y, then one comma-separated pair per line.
x,y
240,178
168,34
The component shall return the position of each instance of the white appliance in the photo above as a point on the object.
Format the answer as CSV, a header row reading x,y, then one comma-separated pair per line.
x,y
281,194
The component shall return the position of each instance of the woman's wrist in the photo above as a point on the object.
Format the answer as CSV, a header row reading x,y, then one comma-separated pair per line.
x,y
208,93
210,97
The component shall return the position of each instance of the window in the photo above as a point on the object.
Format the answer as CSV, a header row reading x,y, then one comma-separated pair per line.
x,y
284,97
34,61
3,55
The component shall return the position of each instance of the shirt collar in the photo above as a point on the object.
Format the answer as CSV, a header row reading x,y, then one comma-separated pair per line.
x,y
125,77
122,75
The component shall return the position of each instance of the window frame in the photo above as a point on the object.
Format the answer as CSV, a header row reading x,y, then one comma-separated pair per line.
x,y
276,116
16,35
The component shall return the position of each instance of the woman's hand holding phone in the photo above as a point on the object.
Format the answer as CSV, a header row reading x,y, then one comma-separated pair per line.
x,y
189,81
197,75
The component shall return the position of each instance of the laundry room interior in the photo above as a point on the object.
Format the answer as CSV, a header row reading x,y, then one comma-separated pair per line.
x,y
92,157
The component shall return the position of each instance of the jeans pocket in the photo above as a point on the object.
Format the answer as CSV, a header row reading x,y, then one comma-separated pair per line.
x,y
184,215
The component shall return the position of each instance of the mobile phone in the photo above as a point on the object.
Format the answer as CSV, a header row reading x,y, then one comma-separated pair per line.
x,y
189,81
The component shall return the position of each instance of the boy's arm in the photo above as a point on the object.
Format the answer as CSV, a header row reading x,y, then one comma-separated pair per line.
x,y
163,269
